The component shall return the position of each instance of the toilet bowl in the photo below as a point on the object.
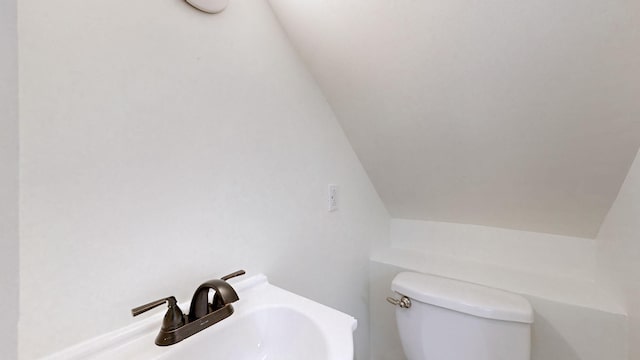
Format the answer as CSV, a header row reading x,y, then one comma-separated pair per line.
x,y
445,319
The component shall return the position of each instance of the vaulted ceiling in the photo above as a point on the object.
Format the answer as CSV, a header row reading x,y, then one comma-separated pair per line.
x,y
521,115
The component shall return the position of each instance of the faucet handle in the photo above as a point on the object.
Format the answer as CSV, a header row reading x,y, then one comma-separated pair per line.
x,y
233,274
146,307
173,318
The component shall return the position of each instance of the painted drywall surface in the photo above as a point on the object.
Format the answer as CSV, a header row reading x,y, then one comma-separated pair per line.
x,y
619,251
559,268
513,114
560,331
8,178
520,250
161,147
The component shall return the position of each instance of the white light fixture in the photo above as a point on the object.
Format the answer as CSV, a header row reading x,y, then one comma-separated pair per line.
x,y
209,6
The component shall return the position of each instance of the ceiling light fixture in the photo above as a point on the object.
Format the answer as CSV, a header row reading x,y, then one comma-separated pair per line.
x,y
209,6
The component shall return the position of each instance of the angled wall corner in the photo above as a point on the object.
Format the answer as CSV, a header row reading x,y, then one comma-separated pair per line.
x,y
9,244
518,115
619,252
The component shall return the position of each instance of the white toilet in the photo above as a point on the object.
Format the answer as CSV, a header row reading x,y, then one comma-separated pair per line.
x,y
444,319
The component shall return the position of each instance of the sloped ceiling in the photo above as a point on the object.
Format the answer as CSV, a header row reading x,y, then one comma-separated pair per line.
x,y
522,115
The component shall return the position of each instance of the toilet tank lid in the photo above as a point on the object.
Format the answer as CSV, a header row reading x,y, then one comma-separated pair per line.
x,y
463,297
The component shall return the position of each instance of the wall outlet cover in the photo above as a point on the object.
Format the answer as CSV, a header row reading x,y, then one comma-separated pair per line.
x,y
333,197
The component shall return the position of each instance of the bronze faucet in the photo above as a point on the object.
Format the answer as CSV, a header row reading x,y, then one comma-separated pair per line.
x,y
177,326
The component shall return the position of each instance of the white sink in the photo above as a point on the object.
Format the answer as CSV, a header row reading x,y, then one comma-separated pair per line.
x,y
267,333
269,323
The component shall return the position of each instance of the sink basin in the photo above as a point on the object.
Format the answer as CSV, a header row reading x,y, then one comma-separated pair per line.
x,y
267,333
269,323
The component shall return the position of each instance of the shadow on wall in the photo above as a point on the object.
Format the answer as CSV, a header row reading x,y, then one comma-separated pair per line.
x,y
385,340
569,332
553,345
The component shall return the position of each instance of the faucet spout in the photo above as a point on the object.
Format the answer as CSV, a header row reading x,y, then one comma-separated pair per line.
x,y
200,306
224,295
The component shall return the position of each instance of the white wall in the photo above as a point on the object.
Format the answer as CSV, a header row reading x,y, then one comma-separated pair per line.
x,y
513,114
575,317
555,267
619,245
162,147
519,250
8,178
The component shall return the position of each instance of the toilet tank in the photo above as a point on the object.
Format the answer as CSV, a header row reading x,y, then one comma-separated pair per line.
x,y
455,320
